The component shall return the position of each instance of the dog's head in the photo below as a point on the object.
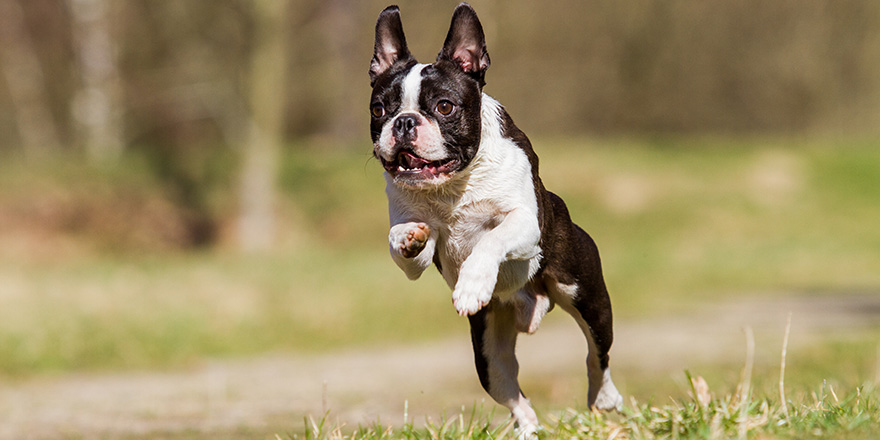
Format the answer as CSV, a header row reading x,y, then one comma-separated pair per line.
x,y
426,117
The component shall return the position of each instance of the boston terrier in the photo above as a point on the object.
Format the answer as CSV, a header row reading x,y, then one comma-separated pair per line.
x,y
464,193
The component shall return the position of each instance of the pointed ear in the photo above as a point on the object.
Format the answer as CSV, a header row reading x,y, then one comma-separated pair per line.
x,y
465,43
390,43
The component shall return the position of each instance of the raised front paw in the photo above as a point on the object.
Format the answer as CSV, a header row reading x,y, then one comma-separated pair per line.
x,y
473,291
409,239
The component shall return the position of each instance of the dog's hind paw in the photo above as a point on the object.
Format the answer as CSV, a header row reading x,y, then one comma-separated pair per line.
x,y
527,432
608,398
609,401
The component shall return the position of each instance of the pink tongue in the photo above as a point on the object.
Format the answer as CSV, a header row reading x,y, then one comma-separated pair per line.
x,y
413,162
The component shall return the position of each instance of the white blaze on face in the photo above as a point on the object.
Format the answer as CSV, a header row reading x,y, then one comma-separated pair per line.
x,y
412,87
429,143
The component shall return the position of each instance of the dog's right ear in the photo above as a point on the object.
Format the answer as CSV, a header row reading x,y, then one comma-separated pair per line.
x,y
390,45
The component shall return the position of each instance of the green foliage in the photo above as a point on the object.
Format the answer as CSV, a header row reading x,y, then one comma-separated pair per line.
x,y
823,415
679,222
477,425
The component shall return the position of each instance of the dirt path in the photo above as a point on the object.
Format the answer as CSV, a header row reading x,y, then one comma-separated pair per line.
x,y
257,397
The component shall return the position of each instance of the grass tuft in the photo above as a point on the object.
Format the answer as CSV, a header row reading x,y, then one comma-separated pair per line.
x,y
476,425
822,415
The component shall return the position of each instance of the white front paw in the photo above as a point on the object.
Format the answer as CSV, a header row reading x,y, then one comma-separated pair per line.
x,y
473,290
408,239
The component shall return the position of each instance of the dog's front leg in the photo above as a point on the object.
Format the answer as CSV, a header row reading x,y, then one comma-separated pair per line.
x,y
515,238
411,240
412,247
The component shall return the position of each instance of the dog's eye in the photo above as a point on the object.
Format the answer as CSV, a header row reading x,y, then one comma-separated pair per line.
x,y
445,107
377,110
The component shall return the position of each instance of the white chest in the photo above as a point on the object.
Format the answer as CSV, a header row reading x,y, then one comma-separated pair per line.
x,y
480,200
500,181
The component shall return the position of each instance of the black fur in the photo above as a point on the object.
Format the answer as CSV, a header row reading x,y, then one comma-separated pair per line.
x,y
465,44
570,256
443,80
389,35
478,330
569,273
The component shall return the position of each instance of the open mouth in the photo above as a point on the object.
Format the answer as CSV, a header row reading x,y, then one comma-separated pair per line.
x,y
408,166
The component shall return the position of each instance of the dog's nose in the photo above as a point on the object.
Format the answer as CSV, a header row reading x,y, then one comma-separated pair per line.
x,y
405,126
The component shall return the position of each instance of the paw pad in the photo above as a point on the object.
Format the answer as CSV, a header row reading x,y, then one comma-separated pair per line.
x,y
415,240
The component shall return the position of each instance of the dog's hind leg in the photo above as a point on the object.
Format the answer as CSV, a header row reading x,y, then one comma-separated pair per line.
x,y
493,333
595,322
582,293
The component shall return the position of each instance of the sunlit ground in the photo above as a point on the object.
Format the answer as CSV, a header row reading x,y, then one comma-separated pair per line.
x,y
682,224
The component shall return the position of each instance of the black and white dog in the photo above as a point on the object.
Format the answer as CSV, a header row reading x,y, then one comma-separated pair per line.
x,y
464,193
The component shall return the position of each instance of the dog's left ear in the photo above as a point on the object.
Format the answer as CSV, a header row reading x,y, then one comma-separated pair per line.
x,y
465,43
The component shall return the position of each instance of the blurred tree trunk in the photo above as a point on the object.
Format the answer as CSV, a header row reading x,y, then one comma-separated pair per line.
x,y
268,70
96,105
341,37
26,82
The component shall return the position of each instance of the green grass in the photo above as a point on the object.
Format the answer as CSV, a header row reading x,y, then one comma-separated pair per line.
x,y
709,218
679,222
823,414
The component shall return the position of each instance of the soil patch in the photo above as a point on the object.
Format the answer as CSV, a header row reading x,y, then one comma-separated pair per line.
x,y
273,393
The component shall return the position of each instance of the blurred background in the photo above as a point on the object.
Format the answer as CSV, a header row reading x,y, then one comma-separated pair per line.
x,y
182,181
